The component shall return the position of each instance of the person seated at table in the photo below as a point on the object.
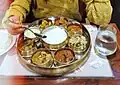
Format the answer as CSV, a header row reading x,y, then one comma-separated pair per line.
x,y
97,11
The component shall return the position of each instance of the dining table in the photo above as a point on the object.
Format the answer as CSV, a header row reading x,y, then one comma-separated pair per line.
x,y
114,61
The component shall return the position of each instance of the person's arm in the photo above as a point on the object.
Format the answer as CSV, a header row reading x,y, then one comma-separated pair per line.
x,y
98,11
19,8
15,15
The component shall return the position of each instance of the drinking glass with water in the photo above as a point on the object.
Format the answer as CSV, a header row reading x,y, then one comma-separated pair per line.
x,y
106,41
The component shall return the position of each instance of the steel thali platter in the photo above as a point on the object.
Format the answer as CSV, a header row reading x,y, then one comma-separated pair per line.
x,y
56,46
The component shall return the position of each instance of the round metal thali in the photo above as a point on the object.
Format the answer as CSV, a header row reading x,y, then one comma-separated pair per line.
x,y
64,48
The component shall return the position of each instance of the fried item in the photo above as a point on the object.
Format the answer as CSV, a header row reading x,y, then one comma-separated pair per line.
x,y
45,23
42,58
61,21
64,56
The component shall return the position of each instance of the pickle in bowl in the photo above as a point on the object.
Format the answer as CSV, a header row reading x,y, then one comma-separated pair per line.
x,y
42,58
74,28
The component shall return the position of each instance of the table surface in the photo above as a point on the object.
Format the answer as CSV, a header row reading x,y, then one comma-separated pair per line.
x,y
114,61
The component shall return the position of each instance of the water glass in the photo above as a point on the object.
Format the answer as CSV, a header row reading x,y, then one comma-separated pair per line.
x,y
106,41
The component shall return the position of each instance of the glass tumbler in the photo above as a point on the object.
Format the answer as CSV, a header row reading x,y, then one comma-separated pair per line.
x,y
106,41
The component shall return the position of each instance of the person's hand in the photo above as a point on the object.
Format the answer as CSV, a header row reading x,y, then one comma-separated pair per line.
x,y
14,25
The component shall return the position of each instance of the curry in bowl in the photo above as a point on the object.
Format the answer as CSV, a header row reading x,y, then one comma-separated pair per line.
x,y
64,56
42,58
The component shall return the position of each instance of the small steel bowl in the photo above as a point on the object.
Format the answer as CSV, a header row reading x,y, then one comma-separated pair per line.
x,y
55,46
27,47
31,31
61,21
74,28
64,56
42,58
